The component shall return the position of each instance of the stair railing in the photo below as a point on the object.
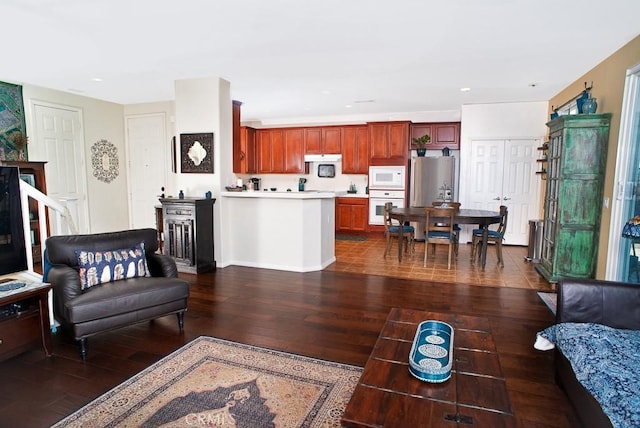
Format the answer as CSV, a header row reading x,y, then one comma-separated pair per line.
x,y
59,216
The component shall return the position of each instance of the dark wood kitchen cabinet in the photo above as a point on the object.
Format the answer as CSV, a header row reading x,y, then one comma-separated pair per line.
x,y
238,153
245,160
188,233
294,151
388,142
270,144
280,150
355,150
322,140
352,214
445,134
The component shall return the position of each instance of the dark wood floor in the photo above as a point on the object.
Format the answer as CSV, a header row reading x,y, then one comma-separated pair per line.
x,y
330,315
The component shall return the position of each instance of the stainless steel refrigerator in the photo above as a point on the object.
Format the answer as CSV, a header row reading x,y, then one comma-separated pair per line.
x,y
432,179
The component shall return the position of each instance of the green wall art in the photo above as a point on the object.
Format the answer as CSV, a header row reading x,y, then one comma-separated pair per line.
x,y
13,134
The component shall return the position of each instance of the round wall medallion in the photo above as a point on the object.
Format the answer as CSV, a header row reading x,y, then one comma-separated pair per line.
x,y
104,159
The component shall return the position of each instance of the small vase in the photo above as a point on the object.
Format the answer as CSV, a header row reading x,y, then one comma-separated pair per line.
x,y
589,106
421,151
580,101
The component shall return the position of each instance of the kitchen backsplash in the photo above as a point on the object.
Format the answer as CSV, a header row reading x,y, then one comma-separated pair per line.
x,y
341,182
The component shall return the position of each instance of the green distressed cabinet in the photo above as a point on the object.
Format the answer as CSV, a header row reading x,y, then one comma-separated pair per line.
x,y
576,161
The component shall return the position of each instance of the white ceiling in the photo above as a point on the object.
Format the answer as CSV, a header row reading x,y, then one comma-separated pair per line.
x,y
301,60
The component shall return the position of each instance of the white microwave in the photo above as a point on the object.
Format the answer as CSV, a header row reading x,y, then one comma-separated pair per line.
x,y
387,177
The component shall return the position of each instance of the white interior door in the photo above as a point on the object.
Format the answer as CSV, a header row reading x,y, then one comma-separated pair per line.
x,y
60,142
147,146
486,175
502,172
521,188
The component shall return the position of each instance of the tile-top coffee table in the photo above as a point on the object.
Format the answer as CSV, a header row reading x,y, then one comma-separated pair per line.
x,y
387,395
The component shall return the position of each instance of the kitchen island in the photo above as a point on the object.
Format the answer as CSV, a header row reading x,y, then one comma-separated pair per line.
x,y
293,231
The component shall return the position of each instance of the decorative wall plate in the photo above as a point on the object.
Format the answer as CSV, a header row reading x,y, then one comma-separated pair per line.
x,y
196,152
104,160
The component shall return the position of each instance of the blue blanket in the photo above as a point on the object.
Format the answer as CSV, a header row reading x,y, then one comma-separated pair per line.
x,y
606,361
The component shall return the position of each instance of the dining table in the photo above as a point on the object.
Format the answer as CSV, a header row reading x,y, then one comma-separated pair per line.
x,y
483,218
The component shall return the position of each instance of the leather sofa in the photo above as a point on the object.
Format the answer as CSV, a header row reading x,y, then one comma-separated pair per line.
x,y
615,304
111,305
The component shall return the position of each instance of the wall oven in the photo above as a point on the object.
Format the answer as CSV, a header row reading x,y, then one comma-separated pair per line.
x,y
377,199
386,184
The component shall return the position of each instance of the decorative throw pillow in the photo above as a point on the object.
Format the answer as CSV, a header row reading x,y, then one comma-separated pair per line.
x,y
97,267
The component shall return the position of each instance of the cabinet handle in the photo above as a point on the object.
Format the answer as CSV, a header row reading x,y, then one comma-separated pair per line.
x,y
506,199
497,198
1,341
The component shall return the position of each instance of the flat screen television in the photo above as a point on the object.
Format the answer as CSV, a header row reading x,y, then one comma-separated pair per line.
x,y
13,252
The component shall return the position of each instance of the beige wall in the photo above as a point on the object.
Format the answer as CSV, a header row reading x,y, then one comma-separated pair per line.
x,y
608,79
108,202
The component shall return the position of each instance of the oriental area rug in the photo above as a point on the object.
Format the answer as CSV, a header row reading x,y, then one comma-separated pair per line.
x,y
214,382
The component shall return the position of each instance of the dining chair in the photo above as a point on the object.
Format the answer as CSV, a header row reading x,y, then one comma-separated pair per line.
x,y
456,227
495,236
391,231
439,225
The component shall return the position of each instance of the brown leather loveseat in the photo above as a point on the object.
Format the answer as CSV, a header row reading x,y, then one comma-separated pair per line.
x,y
89,298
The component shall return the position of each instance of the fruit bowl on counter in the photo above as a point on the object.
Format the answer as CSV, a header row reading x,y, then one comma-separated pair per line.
x,y
234,188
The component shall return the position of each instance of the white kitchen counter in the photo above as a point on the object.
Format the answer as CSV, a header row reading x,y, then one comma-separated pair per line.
x,y
311,194
351,195
293,231
279,195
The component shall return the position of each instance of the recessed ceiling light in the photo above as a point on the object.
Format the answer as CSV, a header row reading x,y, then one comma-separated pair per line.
x,y
348,106
465,89
96,79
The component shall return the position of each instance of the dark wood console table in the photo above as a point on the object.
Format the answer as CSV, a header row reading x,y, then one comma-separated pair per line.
x,y
387,395
188,233
24,320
